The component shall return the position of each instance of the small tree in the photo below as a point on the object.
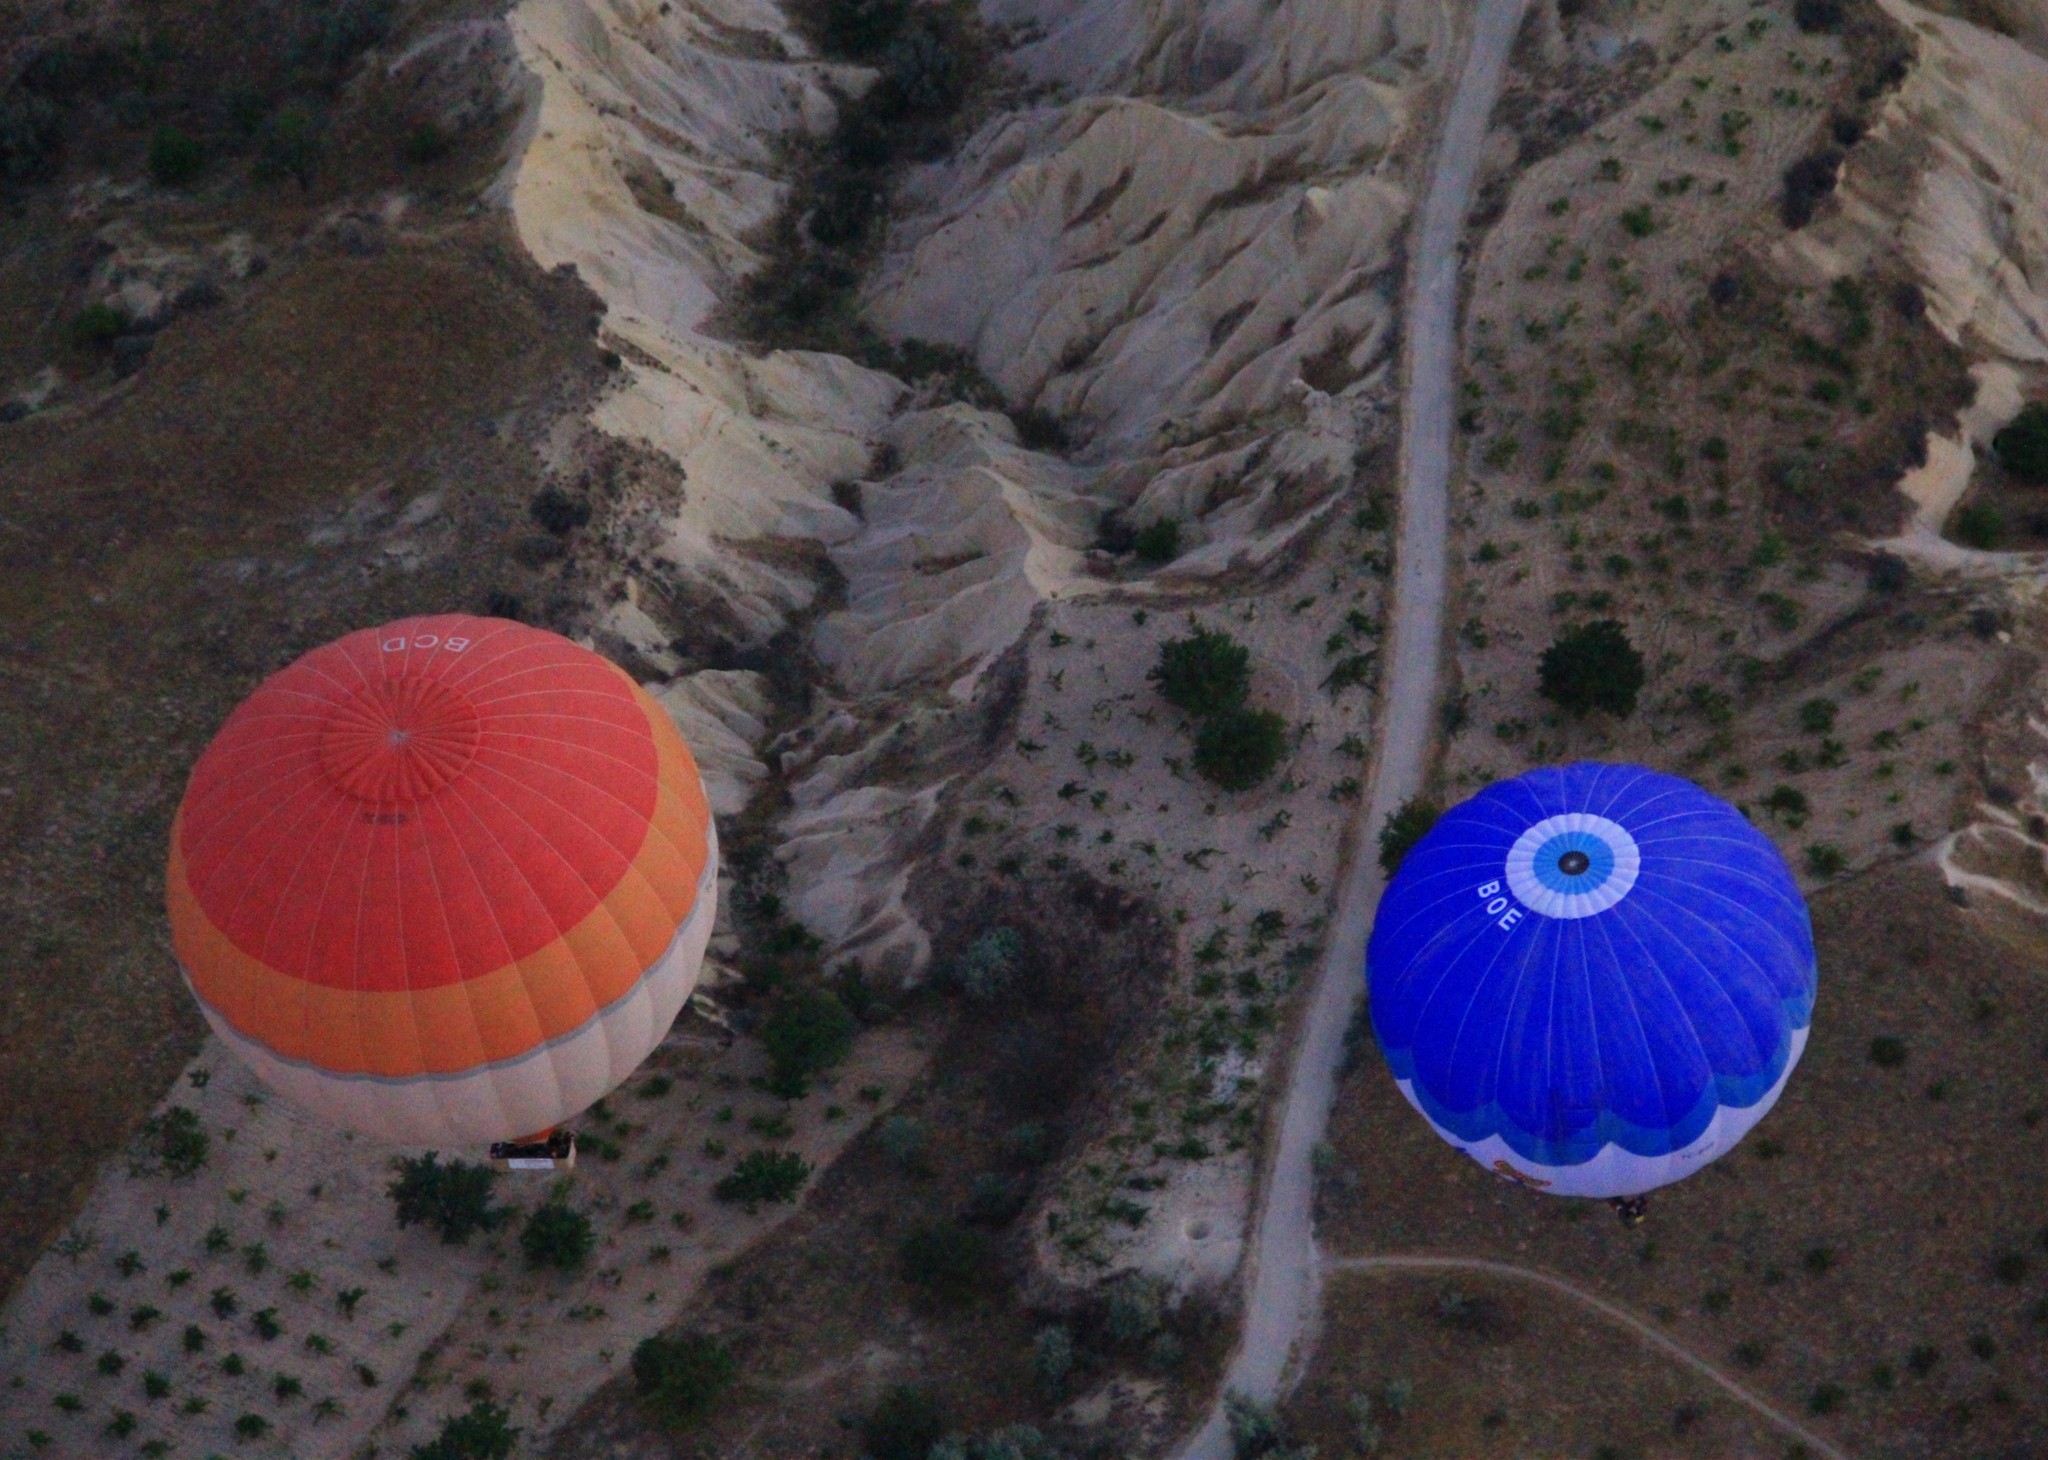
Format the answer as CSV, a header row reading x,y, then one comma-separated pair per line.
x,y
947,1260
680,1378
1238,748
556,1235
175,157
1205,674
455,1200
764,1176
1593,667
808,1030
904,1425
1158,542
1980,525
291,144
1405,827
2022,447
482,1434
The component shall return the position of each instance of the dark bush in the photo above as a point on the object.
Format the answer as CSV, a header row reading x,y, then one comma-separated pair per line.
x,y
555,511
175,157
1205,674
921,76
482,1434
173,1143
455,1200
1039,429
951,1262
807,1031
1818,16
1725,289
557,1235
1807,181
1980,525
97,326
845,210
1158,542
31,136
904,1425
1593,667
291,145
680,1378
1404,828
1887,1051
1239,748
764,1176
424,144
2022,447
1889,573
1847,130
862,28
341,31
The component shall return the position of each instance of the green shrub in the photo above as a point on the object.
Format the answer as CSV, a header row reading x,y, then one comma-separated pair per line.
x,y
1980,525
903,1425
1158,542
31,136
2022,447
1593,667
1887,1051
1205,674
948,1261
251,1427
291,145
861,28
95,326
1639,221
1405,827
482,1434
172,1143
989,966
760,1176
1817,716
175,157
1239,748
455,1200
1825,860
1052,1358
680,1378
424,144
808,1030
556,1235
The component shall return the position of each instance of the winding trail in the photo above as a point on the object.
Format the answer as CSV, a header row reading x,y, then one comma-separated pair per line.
x,y
1285,1287
1614,1313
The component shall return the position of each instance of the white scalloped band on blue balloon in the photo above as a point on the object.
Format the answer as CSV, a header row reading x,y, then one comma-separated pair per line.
x,y
1573,866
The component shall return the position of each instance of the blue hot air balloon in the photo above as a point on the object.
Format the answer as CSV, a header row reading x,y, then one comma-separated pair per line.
x,y
1592,979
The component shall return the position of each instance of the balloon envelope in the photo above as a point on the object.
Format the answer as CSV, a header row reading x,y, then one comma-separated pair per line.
x,y
1592,979
449,880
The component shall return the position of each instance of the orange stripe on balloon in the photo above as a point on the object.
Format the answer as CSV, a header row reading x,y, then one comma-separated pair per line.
x,y
495,1016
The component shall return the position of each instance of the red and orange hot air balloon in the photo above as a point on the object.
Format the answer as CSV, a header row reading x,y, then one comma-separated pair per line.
x,y
449,880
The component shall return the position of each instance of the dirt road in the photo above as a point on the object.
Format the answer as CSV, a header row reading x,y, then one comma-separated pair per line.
x,y
1285,1288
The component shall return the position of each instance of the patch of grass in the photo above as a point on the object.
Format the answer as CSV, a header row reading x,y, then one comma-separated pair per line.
x,y
680,1379
764,1176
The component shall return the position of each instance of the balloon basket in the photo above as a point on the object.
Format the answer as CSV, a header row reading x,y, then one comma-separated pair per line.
x,y
555,1152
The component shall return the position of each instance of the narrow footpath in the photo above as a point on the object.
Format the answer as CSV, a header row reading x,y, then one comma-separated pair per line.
x,y
1614,1313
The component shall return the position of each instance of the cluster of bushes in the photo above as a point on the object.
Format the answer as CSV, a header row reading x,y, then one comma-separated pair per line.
x,y
484,1433
925,56
455,1199
1208,674
679,1379
2022,447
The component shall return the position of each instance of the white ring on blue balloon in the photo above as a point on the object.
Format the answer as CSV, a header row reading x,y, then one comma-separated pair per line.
x,y
1534,876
